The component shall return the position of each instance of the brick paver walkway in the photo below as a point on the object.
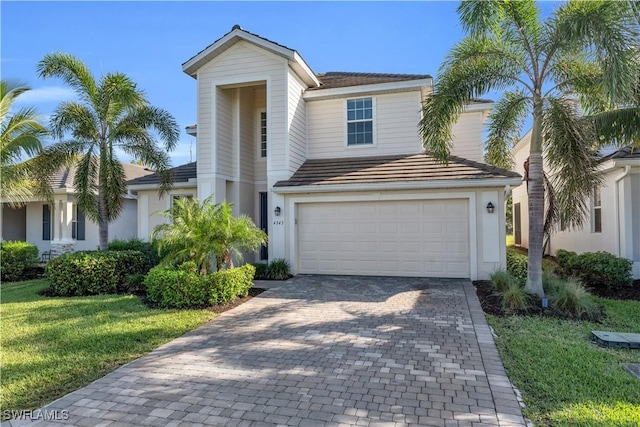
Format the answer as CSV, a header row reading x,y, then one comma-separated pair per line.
x,y
317,351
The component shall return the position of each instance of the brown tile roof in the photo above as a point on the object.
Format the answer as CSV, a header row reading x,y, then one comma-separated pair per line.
x,y
334,79
64,177
182,173
385,169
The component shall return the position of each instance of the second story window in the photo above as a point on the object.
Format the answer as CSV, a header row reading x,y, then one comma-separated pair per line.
x,y
263,134
360,121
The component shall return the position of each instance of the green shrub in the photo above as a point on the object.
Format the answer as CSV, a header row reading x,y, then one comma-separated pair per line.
x,y
149,249
501,280
226,285
176,288
517,264
279,269
93,272
184,287
15,258
551,283
262,270
595,269
573,299
514,298
133,284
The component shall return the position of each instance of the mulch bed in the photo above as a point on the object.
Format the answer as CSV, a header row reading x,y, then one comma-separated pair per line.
x,y
491,303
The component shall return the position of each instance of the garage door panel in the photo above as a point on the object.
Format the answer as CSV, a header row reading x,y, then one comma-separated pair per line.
x,y
397,238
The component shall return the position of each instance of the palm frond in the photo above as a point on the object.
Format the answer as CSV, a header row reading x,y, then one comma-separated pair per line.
x,y
113,182
568,145
505,122
462,79
620,126
75,118
72,71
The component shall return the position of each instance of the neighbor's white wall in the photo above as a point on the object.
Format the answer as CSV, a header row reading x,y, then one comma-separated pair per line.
x,y
34,226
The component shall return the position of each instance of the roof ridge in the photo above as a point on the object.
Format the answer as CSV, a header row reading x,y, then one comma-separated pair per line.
x,y
365,73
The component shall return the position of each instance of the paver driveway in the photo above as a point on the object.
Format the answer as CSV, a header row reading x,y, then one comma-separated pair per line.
x,y
318,350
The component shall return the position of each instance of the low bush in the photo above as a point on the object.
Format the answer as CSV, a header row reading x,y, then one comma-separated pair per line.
x,y
572,299
501,280
185,288
551,283
514,298
226,285
93,272
595,269
15,258
279,269
149,249
176,288
262,270
517,264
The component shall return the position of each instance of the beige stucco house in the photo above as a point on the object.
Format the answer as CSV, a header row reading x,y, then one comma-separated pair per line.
x,y
613,224
59,226
331,166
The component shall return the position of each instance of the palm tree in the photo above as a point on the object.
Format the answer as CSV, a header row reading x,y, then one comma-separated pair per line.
x,y
582,54
20,137
203,231
111,113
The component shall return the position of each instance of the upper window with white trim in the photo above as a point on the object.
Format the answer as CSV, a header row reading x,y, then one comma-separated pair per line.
x,y
360,121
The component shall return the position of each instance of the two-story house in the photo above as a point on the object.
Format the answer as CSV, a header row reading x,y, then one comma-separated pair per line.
x,y
331,166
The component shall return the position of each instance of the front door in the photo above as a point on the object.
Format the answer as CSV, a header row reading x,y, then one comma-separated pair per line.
x,y
264,218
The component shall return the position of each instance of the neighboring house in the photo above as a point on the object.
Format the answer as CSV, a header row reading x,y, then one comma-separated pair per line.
x,y
613,224
61,226
330,165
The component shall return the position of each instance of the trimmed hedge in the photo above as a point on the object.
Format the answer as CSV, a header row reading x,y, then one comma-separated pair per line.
x,y
185,288
93,272
15,258
517,264
595,269
149,250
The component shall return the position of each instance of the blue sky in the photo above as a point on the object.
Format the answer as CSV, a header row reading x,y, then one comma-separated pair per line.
x,y
149,41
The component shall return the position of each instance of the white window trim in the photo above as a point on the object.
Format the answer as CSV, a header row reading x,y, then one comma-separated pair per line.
x,y
172,197
345,110
595,207
259,157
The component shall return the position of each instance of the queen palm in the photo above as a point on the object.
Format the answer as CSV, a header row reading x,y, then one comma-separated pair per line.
x,y
110,113
581,55
20,141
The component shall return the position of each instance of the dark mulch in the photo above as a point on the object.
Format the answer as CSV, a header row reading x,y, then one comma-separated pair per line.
x,y
619,292
492,304
220,308
30,274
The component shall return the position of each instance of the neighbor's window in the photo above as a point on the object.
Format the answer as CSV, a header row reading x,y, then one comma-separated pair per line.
x,y
596,213
78,224
46,222
360,121
262,137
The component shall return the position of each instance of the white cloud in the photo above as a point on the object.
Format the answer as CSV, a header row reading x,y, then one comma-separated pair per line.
x,y
46,94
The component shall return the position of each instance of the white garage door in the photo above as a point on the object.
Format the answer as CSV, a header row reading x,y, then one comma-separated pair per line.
x,y
427,238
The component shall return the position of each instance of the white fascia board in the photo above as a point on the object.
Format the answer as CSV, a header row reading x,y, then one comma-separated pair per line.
x,y
403,86
483,106
191,66
610,164
404,185
179,185
303,70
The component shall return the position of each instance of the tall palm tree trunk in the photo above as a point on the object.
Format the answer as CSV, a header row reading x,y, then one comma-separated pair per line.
x,y
103,225
536,205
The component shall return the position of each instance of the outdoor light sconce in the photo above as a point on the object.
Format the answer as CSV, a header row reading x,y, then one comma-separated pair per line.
x,y
277,211
490,207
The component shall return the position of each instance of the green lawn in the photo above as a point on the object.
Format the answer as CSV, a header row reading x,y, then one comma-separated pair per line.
x,y
51,346
564,379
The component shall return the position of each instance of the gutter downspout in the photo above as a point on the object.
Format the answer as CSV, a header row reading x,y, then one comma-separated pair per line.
x,y
616,197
